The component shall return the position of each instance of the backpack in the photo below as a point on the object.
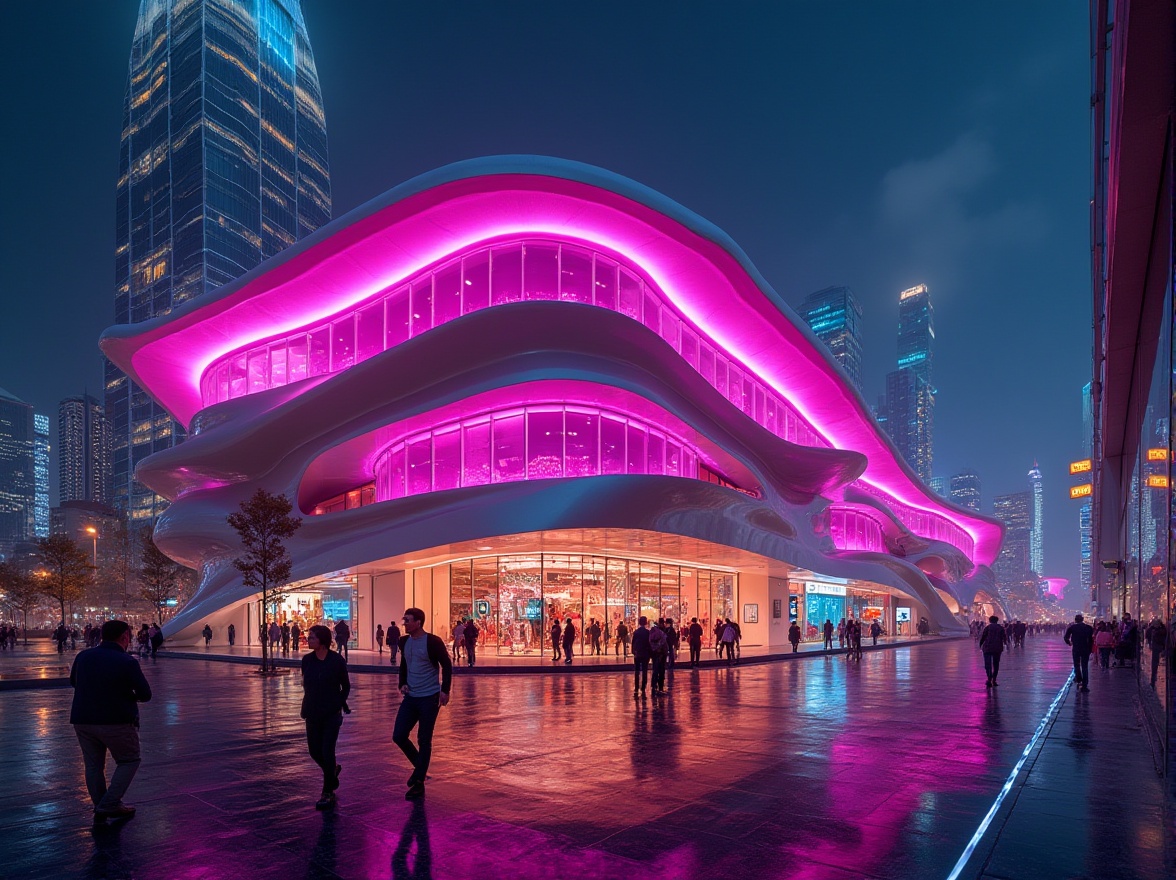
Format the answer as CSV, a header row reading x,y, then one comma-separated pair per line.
x,y
657,640
729,634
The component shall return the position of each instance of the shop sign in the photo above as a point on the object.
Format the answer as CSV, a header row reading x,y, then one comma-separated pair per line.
x,y
1157,481
1157,455
1081,467
1083,491
871,612
824,589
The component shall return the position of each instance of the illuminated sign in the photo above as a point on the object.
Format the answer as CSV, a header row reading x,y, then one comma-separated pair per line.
x,y
1157,481
825,589
912,291
1083,491
1157,455
1080,467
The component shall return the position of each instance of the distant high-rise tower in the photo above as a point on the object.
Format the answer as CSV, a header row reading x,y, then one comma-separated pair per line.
x,y
40,476
1085,543
83,454
965,489
223,164
909,410
1036,549
18,483
835,317
1012,566
939,486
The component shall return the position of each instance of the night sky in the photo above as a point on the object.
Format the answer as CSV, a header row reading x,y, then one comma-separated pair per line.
x,y
877,145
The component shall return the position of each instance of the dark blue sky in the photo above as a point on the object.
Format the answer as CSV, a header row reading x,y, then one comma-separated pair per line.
x,y
877,145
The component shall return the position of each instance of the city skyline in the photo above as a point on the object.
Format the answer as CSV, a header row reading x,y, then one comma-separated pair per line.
x,y
947,187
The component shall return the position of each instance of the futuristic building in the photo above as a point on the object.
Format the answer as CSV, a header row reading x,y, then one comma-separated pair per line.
x,y
521,388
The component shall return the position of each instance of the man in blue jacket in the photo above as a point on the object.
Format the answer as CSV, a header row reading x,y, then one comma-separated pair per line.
x,y
108,686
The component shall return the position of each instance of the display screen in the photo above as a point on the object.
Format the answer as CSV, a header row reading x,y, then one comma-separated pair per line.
x,y
336,609
530,609
902,615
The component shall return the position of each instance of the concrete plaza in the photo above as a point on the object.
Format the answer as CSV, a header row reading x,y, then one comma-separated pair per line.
x,y
810,768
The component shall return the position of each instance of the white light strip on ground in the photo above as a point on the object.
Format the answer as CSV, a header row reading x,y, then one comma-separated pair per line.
x,y
1007,787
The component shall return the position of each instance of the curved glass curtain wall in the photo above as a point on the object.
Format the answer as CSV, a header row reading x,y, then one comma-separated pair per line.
x,y
539,442
515,599
531,269
854,530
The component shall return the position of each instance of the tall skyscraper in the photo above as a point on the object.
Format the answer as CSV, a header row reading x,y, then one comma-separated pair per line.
x,y
1036,542
18,483
1012,566
939,486
835,317
965,489
83,450
908,413
40,476
1085,543
223,164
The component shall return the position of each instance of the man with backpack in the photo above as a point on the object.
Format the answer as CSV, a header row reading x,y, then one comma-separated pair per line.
x,y
422,656
727,640
659,647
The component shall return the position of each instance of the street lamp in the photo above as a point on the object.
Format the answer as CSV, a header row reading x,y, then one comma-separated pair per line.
x,y
93,533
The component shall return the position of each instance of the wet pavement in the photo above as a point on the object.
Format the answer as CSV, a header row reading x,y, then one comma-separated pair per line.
x,y
811,769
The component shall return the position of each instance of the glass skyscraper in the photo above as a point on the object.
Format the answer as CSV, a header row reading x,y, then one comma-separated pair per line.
x,y
83,455
1036,543
18,484
965,489
223,164
40,476
835,317
908,409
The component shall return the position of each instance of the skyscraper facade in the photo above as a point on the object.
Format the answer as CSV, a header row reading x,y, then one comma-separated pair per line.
x,y
835,317
916,331
965,489
40,476
1013,566
908,411
18,484
223,163
1036,541
83,450
1085,543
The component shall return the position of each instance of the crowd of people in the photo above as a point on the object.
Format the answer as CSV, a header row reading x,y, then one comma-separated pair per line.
x,y
8,636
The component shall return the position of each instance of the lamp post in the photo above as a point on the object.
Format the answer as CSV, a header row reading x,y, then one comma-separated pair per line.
x,y
93,533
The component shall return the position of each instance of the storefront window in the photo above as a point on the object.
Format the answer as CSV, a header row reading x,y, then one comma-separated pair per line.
x,y
509,448
541,271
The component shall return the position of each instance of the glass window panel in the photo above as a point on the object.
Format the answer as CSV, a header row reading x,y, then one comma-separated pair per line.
x,y
706,362
735,385
475,282
612,445
320,351
420,470
689,346
673,458
369,332
277,357
670,605
652,315
635,455
509,449
342,343
575,274
670,327
749,395
476,459
581,458
648,589
544,444
506,274
447,294
770,411
396,472
630,295
605,283
721,374
447,459
258,370
222,382
422,305
689,464
656,454
237,377
397,320
297,358
485,606
541,271
520,597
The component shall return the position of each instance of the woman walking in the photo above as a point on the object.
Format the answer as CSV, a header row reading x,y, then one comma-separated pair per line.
x,y
325,686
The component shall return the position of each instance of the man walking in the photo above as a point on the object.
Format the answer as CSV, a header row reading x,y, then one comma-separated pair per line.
x,y
992,643
694,638
108,686
827,630
325,686
422,654
569,640
794,636
393,642
1080,637
594,633
641,654
470,634
556,638
342,637
1157,639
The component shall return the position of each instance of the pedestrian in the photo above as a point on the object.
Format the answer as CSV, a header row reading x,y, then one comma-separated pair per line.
x,y
232,635
285,637
1104,643
295,634
658,652
827,631
673,643
470,634
108,686
207,633
1080,637
422,655
458,639
393,642
556,638
594,634
794,636
380,637
622,640
727,642
720,627
841,633
274,634
61,636
143,640
569,639
992,642
875,631
1156,635
325,686
343,637
641,654
155,637
694,640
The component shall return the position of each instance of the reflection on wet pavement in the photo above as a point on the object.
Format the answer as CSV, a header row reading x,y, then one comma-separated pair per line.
x,y
817,768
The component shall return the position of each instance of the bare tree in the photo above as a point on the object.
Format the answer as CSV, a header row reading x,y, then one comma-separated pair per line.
x,y
21,592
159,576
67,570
264,524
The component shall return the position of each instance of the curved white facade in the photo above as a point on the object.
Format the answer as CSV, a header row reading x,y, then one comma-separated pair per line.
x,y
510,352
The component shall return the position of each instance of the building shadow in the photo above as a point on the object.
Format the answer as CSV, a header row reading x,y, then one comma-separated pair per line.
x,y
408,864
